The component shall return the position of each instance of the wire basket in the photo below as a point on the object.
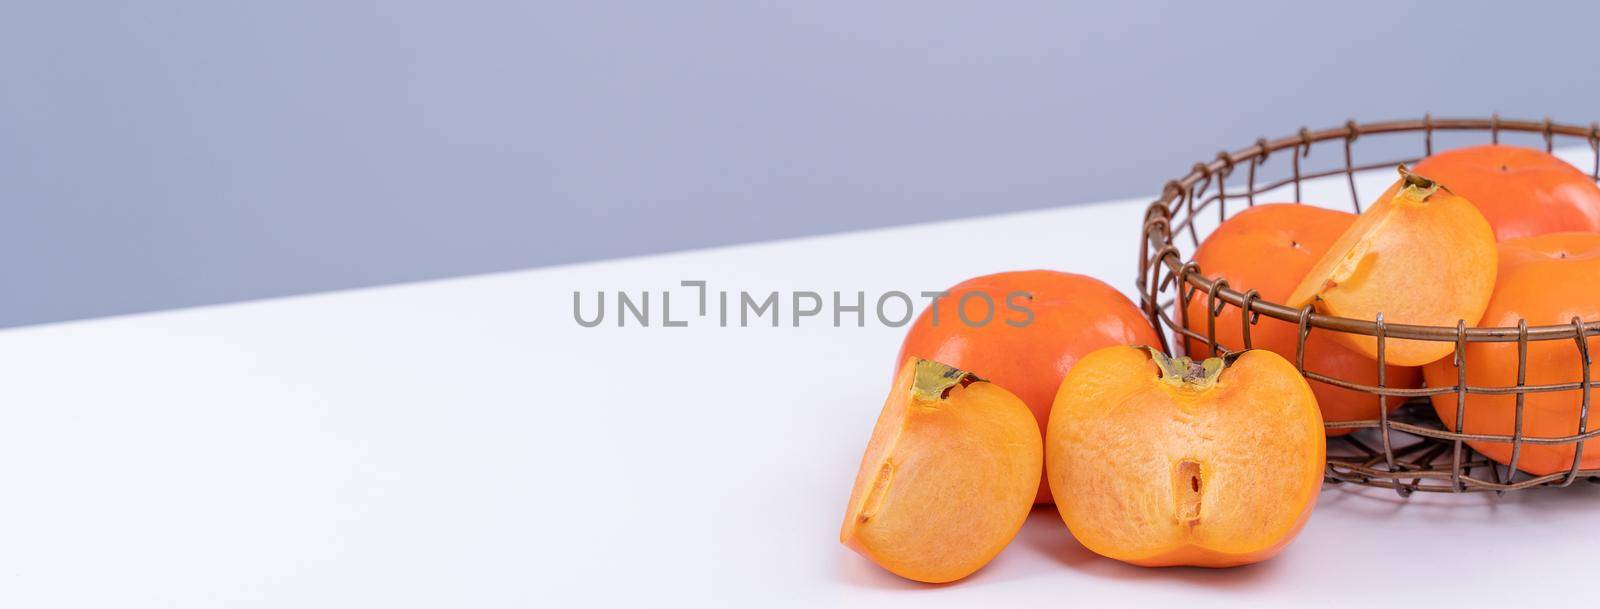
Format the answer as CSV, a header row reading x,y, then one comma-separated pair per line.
x,y
1407,449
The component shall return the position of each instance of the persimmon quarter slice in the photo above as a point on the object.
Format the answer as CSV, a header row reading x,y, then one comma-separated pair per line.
x,y
1161,462
1269,248
1421,255
948,477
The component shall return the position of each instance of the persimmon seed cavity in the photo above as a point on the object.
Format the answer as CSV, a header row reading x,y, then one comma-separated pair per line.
x,y
880,488
1186,489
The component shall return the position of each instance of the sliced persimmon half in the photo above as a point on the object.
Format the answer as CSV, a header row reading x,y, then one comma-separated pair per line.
x,y
1163,462
948,477
1421,255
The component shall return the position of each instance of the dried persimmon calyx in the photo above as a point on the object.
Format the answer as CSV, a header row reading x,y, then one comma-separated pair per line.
x,y
1186,373
933,380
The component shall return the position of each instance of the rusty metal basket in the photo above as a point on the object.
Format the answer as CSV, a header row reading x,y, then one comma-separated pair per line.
x,y
1407,449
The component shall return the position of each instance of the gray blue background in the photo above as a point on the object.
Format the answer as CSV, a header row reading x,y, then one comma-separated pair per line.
x,y
167,153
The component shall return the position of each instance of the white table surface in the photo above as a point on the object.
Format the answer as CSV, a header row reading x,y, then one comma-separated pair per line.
x,y
465,443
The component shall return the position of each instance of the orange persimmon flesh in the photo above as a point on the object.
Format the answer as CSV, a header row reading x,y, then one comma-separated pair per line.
x,y
1547,280
1421,255
1162,462
948,477
1268,248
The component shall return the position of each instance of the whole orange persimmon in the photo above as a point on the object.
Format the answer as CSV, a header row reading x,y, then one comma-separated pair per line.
x,y
1547,280
1070,316
1159,462
1268,248
1521,191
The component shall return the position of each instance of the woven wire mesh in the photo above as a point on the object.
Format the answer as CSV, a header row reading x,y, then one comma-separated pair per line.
x,y
1407,448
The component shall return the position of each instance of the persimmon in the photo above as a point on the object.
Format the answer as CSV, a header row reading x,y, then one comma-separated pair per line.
x,y
1268,248
1521,191
1547,280
1421,255
1069,316
1160,462
948,476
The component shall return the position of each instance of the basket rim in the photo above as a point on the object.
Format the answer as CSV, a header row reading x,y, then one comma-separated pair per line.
x,y
1157,228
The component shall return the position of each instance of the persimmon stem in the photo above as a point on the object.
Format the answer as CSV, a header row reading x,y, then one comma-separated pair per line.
x,y
1417,188
1185,373
933,380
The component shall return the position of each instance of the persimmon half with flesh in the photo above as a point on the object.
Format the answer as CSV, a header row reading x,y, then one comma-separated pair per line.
x,y
1421,255
1163,462
1521,191
1070,316
1547,280
948,477
1268,248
